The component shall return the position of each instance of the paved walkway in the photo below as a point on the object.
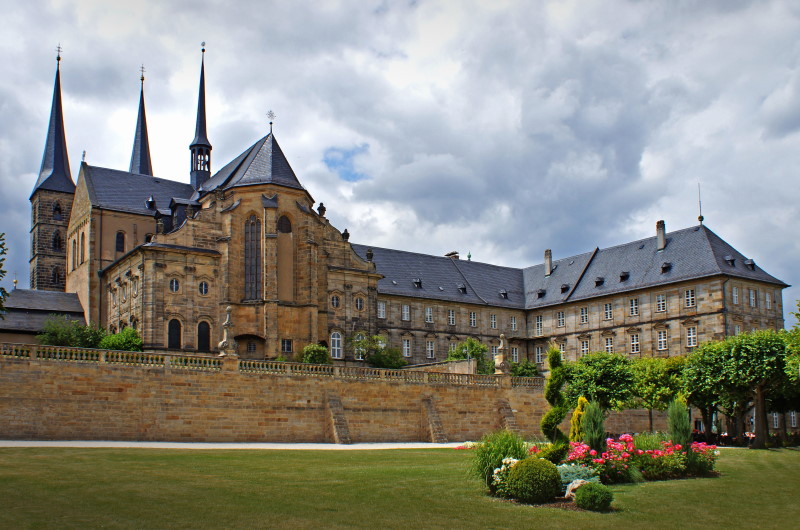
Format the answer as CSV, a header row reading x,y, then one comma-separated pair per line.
x,y
187,446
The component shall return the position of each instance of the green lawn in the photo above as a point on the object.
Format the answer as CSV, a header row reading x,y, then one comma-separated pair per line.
x,y
143,488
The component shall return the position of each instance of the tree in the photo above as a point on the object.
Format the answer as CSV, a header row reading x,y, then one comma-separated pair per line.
x,y
576,422
3,292
602,378
472,349
377,354
127,339
316,354
703,381
524,369
552,393
60,330
656,382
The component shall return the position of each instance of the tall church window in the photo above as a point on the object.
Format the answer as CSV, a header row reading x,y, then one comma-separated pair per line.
x,y
203,337
284,225
252,259
56,276
74,254
120,242
83,247
58,244
174,335
57,215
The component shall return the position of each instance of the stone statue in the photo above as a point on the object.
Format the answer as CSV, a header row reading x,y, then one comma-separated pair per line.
x,y
227,346
501,366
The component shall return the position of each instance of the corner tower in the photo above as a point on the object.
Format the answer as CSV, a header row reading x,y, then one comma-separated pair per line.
x,y
201,147
51,203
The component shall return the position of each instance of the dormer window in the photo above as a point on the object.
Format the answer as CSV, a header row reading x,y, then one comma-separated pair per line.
x,y
750,264
599,281
564,288
504,294
418,283
150,203
730,260
666,267
462,288
540,293
624,275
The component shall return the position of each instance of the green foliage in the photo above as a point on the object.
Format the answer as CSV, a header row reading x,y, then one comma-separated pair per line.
x,y
576,422
3,252
59,330
679,424
605,378
649,441
524,369
473,349
656,381
534,481
316,354
552,393
126,340
594,431
594,497
491,451
555,452
572,472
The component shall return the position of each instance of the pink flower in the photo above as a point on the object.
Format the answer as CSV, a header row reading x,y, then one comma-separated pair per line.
x,y
592,452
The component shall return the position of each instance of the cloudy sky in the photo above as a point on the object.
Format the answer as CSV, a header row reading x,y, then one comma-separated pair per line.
x,y
499,128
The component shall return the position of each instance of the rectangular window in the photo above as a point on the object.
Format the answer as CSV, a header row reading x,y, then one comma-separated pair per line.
x,y
381,309
735,295
753,298
473,319
406,312
453,346
662,340
634,307
406,347
610,344
451,317
775,420
493,321
494,352
514,354
584,347
691,337
430,349
560,319
661,303
737,329
635,347
539,354
608,311
584,315
513,323
429,315
793,419
768,300
690,298
538,325
286,345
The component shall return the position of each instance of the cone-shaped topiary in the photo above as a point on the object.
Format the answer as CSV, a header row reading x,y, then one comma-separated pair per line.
x,y
575,427
552,393
534,481
594,431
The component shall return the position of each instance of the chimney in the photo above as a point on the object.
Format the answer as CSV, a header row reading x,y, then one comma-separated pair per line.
x,y
661,235
548,262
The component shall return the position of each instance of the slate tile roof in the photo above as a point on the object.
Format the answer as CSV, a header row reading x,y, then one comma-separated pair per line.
x,y
28,309
691,253
122,191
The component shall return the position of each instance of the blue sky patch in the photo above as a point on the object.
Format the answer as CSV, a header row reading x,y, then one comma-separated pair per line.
x,y
341,161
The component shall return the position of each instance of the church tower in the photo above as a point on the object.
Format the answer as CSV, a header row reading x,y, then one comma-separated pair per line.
x,y
51,203
140,158
201,147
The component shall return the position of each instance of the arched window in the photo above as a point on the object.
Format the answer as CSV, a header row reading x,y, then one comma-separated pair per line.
x,y
83,247
174,335
336,345
203,337
56,276
284,225
57,216
74,254
120,241
252,259
58,243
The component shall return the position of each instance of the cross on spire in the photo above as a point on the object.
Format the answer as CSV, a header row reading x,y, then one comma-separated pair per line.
x,y
271,115
141,69
59,49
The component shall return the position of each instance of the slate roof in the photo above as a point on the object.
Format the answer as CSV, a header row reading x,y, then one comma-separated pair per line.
x,y
54,174
691,253
140,157
28,309
122,191
262,163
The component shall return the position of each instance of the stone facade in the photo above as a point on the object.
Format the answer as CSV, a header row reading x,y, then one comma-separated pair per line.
x,y
50,215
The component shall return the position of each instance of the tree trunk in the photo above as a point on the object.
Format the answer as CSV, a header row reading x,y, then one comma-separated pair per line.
x,y
650,417
760,407
705,412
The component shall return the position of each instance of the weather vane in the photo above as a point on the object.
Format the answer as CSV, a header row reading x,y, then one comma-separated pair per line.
x,y
271,116
59,49
203,44
141,69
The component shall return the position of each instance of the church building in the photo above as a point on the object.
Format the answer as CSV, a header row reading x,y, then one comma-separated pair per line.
x,y
168,258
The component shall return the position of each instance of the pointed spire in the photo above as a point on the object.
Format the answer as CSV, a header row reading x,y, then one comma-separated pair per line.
x,y
140,159
201,147
54,174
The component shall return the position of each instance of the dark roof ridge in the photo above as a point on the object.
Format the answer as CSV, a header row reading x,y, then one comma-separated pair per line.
x,y
436,256
475,291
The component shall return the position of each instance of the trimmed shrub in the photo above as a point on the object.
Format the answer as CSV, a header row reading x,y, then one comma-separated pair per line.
x,y
126,340
679,424
534,481
572,472
492,449
552,393
594,432
575,423
386,358
316,354
594,497
524,369
650,441
555,452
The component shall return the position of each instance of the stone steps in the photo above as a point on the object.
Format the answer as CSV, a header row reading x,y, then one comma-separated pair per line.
x,y
434,423
341,432
507,418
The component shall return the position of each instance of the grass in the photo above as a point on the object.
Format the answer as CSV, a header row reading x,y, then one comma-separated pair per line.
x,y
141,488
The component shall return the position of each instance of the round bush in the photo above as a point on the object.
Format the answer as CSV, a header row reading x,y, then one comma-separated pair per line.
x,y
594,497
534,481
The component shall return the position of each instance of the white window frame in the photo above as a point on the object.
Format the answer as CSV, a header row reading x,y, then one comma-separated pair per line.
x,y
608,311
381,309
737,329
753,298
636,346
775,420
451,317
336,301
690,298
359,303
452,346
513,323
405,313
735,294
633,307
494,351
768,300
538,325
406,347
429,315
560,319
584,347
584,315
539,354
473,319
609,344
430,349
493,321
514,354
336,345
793,419
662,340
691,337
661,303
